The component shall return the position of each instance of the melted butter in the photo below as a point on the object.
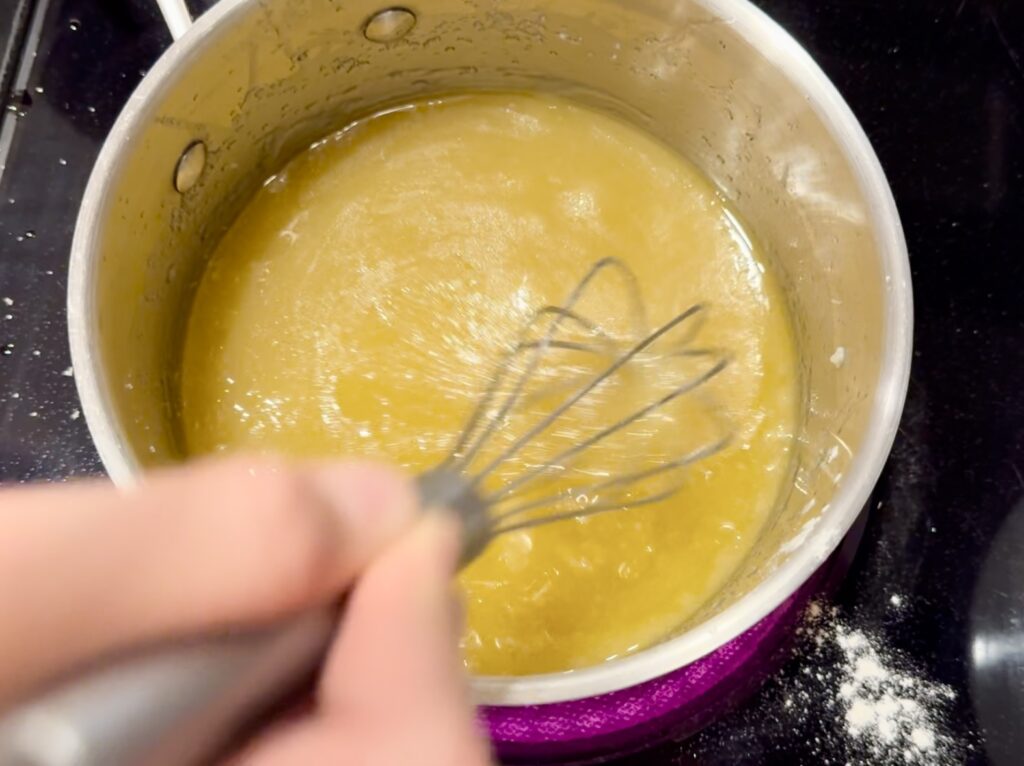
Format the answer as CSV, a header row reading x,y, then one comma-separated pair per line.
x,y
357,305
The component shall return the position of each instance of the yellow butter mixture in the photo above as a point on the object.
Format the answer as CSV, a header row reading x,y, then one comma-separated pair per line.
x,y
359,303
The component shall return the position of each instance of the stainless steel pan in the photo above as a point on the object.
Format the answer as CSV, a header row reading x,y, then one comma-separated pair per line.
x,y
254,81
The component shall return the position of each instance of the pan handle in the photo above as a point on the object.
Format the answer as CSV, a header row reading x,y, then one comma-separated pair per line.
x,y
176,16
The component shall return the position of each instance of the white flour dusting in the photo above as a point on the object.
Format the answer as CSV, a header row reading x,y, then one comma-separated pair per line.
x,y
888,711
885,712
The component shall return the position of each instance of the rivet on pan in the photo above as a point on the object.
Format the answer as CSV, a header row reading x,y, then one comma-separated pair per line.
x,y
389,25
190,166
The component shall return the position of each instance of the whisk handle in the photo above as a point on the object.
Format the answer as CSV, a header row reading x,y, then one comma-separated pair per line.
x,y
179,705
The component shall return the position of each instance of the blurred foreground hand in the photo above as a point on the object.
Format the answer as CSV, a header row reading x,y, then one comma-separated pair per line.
x,y
87,569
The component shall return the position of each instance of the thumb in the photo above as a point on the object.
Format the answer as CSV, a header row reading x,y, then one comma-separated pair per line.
x,y
85,569
395,664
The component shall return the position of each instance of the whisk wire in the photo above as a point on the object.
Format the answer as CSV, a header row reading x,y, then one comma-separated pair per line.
x,y
560,314
563,458
620,482
599,379
503,369
593,510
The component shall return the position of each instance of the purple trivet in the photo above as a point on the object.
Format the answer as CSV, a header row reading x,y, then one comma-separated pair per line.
x,y
676,704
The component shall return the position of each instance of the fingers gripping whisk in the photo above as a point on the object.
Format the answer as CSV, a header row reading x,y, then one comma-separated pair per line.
x,y
563,427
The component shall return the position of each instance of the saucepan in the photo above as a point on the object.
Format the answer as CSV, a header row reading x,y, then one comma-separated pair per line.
x,y
252,82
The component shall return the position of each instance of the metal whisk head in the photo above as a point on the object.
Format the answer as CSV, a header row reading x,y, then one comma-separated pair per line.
x,y
515,465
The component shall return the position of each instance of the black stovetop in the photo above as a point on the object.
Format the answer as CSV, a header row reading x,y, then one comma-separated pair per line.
x,y
939,88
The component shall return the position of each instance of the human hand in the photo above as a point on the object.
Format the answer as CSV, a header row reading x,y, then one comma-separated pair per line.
x,y
86,569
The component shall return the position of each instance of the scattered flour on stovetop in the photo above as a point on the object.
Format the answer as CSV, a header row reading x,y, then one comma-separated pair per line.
x,y
885,712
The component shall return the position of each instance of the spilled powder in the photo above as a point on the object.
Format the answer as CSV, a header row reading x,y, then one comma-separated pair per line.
x,y
884,710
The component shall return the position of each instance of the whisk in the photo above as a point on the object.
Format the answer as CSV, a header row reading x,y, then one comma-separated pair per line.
x,y
457,483
182,704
